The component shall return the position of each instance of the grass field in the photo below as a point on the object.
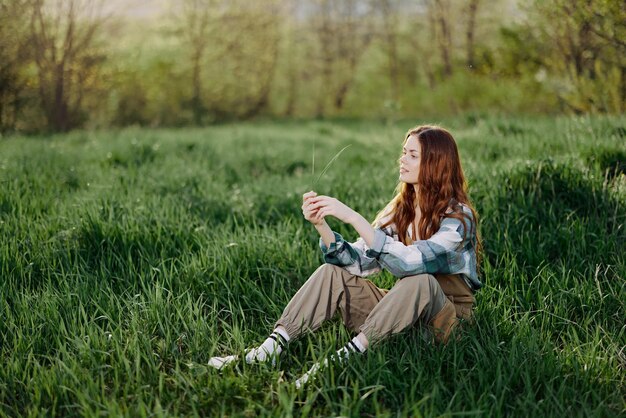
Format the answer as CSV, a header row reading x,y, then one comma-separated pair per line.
x,y
128,258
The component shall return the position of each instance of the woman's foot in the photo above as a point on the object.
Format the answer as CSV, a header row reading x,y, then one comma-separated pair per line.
x,y
353,346
310,375
268,351
219,362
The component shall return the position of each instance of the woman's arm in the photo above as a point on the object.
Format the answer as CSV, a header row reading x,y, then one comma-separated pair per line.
x,y
365,230
325,233
324,206
448,251
350,256
311,215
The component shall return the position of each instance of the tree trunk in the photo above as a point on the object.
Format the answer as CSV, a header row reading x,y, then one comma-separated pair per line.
x,y
290,108
394,68
62,58
445,40
340,95
389,35
263,98
471,26
428,68
623,89
60,122
325,33
196,98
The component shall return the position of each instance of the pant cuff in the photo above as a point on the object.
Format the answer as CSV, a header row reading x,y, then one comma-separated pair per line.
x,y
293,331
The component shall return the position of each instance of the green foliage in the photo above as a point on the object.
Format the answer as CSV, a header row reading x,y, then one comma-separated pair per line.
x,y
609,160
584,51
130,257
203,62
14,58
554,208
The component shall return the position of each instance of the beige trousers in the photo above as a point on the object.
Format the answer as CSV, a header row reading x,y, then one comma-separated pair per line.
x,y
436,302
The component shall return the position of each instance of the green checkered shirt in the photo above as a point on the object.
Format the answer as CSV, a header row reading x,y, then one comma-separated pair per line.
x,y
449,251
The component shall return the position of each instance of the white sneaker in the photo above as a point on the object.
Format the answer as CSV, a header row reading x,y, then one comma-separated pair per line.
x,y
310,375
258,355
220,362
252,357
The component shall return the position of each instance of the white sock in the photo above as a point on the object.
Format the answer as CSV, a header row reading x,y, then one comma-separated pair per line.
x,y
283,333
352,346
270,349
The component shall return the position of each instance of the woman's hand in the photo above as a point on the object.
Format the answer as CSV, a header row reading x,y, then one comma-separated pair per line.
x,y
325,205
310,214
315,208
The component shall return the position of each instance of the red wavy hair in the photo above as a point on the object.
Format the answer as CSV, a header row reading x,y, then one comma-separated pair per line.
x,y
441,187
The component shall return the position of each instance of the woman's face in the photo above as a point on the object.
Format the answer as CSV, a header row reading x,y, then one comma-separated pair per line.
x,y
410,160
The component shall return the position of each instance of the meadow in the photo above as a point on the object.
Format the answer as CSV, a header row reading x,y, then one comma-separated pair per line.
x,y
129,257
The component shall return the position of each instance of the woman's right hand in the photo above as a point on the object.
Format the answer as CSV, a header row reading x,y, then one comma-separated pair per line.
x,y
310,215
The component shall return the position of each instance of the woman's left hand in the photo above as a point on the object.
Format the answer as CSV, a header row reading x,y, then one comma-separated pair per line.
x,y
330,206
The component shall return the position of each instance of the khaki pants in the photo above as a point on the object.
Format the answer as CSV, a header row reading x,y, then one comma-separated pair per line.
x,y
432,301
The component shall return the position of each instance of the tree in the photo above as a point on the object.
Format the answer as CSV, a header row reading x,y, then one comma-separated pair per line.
x,y
472,8
14,56
63,34
441,14
341,27
388,11
233,49
587,58
293,37
196,22
262,26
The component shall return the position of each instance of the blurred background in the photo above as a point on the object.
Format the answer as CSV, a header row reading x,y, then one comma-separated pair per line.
x,y
67,64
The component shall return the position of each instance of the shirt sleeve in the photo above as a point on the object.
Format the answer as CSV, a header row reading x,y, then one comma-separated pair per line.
x,y
445,252
350,256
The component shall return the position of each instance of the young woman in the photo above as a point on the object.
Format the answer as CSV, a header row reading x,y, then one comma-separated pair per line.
x,y
426,236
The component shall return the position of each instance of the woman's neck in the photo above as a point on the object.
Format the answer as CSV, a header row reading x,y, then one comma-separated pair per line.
x,y
416,221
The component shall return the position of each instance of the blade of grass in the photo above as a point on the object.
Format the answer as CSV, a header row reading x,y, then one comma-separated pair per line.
x,y
329,164
313,167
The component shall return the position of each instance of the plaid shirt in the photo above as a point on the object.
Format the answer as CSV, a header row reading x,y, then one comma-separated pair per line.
x,y
448,251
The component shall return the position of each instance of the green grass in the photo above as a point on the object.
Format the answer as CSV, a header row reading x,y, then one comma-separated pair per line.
x,y
127,256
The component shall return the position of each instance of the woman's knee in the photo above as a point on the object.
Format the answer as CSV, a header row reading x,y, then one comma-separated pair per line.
x,y
419,281
326,272
420,287
329,267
